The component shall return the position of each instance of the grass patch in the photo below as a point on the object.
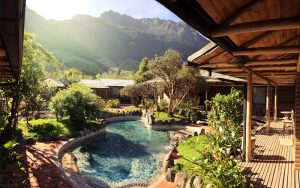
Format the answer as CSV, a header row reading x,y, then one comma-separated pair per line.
x,y
191,150
43,128
164,116
131,108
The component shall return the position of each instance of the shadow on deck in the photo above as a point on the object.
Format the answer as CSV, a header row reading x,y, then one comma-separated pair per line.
x,y
273,161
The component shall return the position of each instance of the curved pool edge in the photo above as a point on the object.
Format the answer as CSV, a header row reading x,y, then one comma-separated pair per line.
x,y
76,179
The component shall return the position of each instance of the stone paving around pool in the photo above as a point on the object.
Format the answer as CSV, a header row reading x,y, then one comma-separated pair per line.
x,y
40,161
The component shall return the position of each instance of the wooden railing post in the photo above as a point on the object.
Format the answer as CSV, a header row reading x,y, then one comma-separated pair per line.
x,y
249,118
275,103
268,106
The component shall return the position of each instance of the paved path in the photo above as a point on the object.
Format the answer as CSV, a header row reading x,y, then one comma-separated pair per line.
x,y
39,161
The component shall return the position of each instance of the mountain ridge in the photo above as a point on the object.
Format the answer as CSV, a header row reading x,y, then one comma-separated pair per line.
x,y
95,44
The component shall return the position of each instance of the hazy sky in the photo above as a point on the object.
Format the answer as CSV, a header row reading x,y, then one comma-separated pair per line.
x,y
66,9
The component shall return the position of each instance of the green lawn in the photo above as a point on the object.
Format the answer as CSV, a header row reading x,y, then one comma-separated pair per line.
x,y
50,128
44,128
190,149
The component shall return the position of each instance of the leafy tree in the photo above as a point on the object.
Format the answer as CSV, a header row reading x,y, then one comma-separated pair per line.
x,y
27,88
138,92
71,76
116,73
78,102
180,82
143,74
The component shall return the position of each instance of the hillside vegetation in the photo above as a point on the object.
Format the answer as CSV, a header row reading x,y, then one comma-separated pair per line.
x,y
95,44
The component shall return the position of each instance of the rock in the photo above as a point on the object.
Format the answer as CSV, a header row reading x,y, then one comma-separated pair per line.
x,y
180,179
169,175
63,138
158,122
172,122
30,141
81,133
86,131
166,162
195,133
198,182
198,122
202,131
189,184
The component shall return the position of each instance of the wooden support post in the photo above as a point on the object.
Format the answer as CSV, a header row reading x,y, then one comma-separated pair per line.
x,y
249,118
244,122
206,100
275,103
268,105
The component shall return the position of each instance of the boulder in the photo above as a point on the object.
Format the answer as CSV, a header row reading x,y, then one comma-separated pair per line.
x,y
172,122
63,138
166,162
189,184
169,175
30,141
158,122
198,182
180,179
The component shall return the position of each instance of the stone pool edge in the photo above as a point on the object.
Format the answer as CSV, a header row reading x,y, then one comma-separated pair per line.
x,y
76,179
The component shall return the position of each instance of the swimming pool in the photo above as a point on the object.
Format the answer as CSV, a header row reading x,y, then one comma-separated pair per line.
x,y
129,154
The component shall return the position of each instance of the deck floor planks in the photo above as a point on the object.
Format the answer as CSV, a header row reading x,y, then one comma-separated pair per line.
x,y
266,160
258,165
275,165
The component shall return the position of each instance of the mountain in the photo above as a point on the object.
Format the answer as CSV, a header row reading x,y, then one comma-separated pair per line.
x,y
95,44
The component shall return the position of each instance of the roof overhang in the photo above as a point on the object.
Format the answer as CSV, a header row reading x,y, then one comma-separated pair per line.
x,y
258,36
12,13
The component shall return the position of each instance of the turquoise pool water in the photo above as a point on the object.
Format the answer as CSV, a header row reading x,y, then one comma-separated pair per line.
x,y
129,154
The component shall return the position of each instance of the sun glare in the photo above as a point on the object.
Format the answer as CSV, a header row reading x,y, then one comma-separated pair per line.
x,y
56,9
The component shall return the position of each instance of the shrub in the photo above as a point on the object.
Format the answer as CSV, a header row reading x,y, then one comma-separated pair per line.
x,y
225,117
48,129
113,103
44,128
163,105
77,101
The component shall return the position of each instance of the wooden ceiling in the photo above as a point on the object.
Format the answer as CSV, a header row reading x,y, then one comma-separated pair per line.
x,y
12,14
260,36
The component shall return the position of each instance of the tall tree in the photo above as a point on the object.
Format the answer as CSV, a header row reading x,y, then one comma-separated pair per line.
x,y
26,89
180,81
71,76
143,74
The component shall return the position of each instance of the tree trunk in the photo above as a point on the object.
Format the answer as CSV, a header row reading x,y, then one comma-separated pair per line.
x,y
10,128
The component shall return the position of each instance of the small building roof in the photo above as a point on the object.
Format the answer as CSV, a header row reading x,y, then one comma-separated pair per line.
x,y
117,82
56,82
106,83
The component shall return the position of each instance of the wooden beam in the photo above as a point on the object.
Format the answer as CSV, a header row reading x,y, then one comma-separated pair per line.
x,y
2,52
265,25
268,106
4,63
278,68
270,62
298,63
249,118
241,11
227,70
268,50
219,65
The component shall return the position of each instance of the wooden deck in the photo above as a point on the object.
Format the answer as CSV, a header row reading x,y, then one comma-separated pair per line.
x,y
273,163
